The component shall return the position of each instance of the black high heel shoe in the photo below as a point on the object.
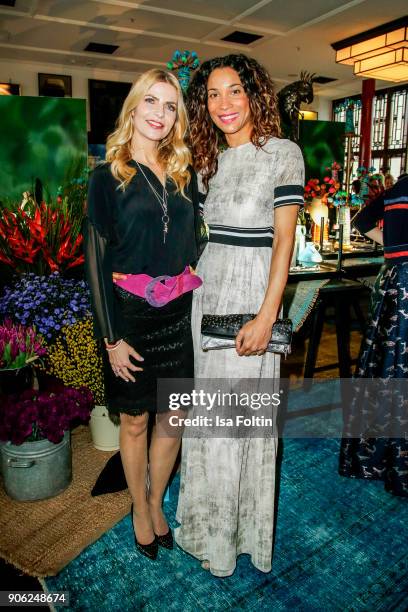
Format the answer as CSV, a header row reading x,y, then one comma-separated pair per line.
x,y
166,540
148,550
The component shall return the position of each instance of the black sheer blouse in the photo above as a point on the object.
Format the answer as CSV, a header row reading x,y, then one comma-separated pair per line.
x,y
123,232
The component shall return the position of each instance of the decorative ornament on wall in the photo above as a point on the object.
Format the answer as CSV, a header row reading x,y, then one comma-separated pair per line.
x,y
185,63
54,85
290,99
10,89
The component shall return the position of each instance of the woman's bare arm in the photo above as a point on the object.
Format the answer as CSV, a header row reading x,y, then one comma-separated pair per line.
x,y
254,336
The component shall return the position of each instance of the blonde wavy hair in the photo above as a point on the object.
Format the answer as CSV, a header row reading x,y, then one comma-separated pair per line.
x,y
173,152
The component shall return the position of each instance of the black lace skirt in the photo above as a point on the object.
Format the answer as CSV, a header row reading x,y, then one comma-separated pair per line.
x,y
163,337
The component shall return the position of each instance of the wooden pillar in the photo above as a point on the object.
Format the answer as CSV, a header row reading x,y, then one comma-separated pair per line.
x,y
366,117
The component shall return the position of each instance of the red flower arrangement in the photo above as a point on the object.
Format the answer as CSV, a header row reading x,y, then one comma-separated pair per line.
x,y
43,237
315,189
334,169
40,237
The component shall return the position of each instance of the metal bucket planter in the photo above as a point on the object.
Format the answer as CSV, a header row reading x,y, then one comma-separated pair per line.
x,y
36,470
105,433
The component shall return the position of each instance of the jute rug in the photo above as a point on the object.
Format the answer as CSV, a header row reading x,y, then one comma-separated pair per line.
x,y
41,537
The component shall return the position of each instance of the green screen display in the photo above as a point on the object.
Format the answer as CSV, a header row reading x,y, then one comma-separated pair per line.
x,y
42,138
322,143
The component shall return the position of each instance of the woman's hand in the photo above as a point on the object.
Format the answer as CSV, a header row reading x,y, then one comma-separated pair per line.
x,y
118,276
253,337
120,361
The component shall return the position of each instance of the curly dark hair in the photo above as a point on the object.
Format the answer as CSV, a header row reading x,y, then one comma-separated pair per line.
x,y
205,138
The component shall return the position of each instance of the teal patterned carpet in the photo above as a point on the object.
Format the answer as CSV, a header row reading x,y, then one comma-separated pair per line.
x,y
341,545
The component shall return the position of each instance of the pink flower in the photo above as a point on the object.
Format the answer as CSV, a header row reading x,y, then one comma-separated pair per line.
x,y
19,345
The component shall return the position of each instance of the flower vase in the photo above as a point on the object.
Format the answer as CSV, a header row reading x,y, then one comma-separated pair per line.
x,y
299,245
16,380
36,470
44,381
184,77
344,219
349,128
105,433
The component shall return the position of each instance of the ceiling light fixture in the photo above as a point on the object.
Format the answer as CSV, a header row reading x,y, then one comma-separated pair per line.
x,y
379,53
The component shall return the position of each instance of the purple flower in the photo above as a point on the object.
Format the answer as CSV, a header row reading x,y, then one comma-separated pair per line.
x,y
32,415
31,299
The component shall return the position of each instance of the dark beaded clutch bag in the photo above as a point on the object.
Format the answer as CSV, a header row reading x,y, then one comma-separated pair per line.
x,y
219,331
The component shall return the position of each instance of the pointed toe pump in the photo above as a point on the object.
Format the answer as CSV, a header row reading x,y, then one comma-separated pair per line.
x,y
148,550
166,540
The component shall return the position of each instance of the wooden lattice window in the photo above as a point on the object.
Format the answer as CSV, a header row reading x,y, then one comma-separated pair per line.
x,y
379,117
398,120
388,131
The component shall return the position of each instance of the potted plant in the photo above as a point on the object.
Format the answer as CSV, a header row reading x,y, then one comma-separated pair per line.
x,y
76,359
35,428
44,236
20,346
48,302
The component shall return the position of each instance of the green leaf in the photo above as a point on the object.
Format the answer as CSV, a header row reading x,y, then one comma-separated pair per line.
x,y
7,353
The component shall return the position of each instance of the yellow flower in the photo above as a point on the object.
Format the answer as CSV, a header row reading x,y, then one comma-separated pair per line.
x,y
75,358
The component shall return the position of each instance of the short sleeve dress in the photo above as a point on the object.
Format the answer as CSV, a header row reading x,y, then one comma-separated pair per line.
x,y
226,502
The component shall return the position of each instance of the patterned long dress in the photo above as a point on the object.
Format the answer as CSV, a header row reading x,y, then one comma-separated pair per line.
x,y
381,404
226,503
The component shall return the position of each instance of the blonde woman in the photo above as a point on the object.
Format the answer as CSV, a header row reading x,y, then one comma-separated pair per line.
x,y
141,222
389,181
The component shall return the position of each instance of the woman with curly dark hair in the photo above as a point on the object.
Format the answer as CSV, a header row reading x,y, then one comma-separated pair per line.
x,y
253,181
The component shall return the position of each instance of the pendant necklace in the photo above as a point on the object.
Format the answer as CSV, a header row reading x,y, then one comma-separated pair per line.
x,y
162,201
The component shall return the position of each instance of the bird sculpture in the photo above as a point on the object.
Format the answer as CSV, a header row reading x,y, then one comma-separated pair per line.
x,y
290,99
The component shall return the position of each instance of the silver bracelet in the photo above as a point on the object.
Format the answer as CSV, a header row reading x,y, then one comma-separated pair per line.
x,y
112,348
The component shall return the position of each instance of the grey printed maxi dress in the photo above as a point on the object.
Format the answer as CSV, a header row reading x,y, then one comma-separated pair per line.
x,y
226,502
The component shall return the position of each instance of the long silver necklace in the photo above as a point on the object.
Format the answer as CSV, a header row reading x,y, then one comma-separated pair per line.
x,y
162,201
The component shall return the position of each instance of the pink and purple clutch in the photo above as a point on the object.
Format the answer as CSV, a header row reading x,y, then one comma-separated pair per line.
x,y
160,290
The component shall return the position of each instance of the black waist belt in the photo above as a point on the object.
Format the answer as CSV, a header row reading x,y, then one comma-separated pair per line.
x,y
241,236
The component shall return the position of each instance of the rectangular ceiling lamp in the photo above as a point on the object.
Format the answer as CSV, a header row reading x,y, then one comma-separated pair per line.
x,y
388,42
372,47
391,66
